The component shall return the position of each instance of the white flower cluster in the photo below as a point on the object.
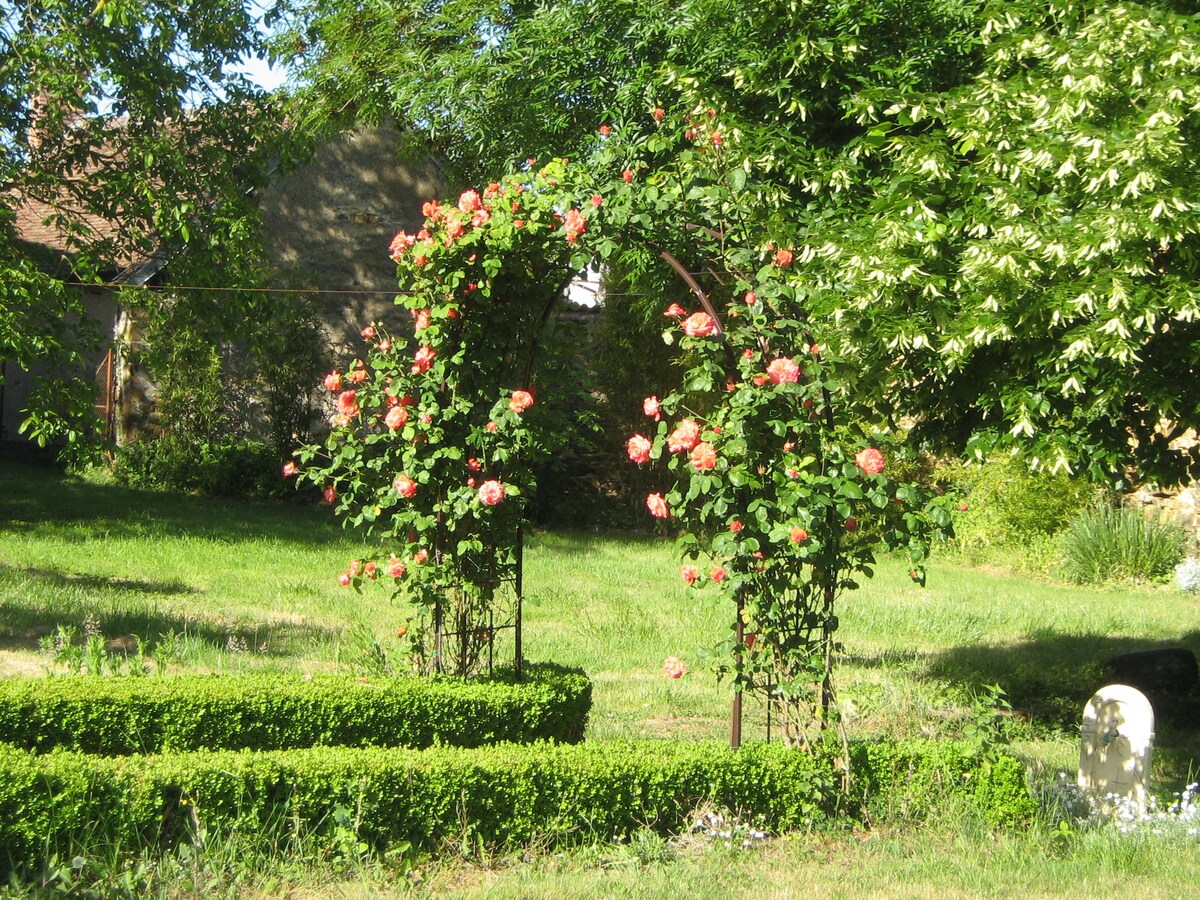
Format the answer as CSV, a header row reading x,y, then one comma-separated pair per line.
x,y
1181,817
729,830
1187,574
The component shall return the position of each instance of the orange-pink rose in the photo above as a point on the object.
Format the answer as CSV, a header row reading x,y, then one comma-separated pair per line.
x,y
869,460
699,324
674,667
405,486
685,436
638,448
396,417
423,360
704,457
491,493
658,506
783,371
333,381
521,401
689,574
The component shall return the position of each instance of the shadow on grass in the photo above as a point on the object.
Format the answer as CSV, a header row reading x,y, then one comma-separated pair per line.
x,y
1050,675
33,495
120,607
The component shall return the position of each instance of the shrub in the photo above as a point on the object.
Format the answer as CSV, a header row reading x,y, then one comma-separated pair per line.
x,y
118,716
496,797
1009,506
1114,543
229,467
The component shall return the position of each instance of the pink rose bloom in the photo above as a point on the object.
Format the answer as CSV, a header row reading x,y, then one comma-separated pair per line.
x,y
675,311
852,524
650,408
400,243
718,574
491,493
348,404
597,200
344,579
356,376
760,379
689,574
869,460
659,113
474,465
480,217
783,371
783,257
684,437
420,319
395,568
396,417
333,381
799,535
470,201
430,209
627,176
421,555
750,297
604,130
289,469
330,493
575,224
658,506
492,427
736,525
369,332
405,486
385,346
521,401
423,360
699,324
704,457
454,230
638,449
674,667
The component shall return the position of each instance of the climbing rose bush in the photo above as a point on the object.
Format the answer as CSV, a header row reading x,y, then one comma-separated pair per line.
x,y
779,494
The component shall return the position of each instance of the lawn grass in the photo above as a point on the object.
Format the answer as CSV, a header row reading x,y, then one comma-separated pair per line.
x,y
252,586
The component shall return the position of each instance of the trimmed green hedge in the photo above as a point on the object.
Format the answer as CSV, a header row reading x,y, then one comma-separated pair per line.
x,y
119,716
503,796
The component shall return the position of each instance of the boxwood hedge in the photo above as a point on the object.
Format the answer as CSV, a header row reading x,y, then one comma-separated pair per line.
x,y
64,803
118,716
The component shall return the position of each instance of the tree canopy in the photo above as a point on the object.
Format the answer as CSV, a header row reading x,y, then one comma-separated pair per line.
x,y
125,130
992,201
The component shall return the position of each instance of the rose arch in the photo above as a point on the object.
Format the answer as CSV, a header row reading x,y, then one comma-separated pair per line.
x,y
780,495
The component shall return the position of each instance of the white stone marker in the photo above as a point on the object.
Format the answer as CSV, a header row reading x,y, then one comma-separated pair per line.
x,y
1118,737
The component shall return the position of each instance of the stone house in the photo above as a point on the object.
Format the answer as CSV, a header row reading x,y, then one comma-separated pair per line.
x,y
327,226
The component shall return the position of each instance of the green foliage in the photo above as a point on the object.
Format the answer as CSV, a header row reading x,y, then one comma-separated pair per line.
x,y
1007,505
989,199
499,797
125,126
120,716
911,781
1110,542
232,467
